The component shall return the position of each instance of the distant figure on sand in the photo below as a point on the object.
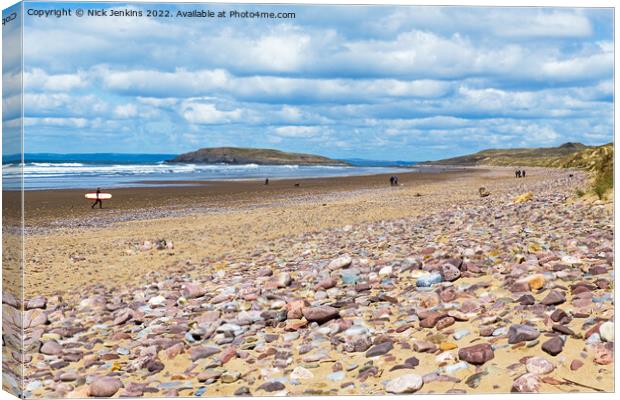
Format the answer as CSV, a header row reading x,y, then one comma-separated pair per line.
x,y
523,174
393,181
266,181
517,174
98,200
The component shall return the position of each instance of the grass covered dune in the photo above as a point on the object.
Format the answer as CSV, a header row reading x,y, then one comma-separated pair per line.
x,y
597,160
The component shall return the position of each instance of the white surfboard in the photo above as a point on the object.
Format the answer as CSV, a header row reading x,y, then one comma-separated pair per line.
x,y
102,196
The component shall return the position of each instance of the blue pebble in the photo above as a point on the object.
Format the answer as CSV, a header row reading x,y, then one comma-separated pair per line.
x,y
169,385
461,333
455,367
594,338
336,376
428,280
602,299
500,331
350,279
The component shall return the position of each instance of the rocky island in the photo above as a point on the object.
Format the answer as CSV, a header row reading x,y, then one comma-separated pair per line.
x,y
239,155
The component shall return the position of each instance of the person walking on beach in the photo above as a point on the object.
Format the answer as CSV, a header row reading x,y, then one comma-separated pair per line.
x,y
523,174
517,174
266,181
98,200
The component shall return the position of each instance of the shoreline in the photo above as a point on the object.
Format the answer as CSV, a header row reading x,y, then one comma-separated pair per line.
x,y
45,207
200,178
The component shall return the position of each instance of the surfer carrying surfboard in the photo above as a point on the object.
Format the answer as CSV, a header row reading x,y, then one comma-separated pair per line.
x,y
98,200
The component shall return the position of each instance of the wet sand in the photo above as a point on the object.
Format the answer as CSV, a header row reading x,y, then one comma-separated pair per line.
x,y
45,206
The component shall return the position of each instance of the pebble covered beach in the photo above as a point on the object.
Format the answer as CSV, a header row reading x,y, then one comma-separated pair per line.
x,y
442,292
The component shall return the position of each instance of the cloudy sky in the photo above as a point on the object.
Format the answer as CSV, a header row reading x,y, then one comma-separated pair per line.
x,y
409,83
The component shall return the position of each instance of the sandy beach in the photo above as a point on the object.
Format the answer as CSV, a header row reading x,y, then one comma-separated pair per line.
x,y
211,219
338,286
438,218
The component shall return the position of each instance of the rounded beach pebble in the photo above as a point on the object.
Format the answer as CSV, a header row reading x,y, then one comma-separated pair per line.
x,y
104,387
404,384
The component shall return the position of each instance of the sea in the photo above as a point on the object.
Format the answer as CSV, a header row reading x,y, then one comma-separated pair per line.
x,y
111,170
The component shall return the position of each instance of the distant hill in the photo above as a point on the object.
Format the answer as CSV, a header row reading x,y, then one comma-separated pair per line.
x,y
239,155
539,157
598,160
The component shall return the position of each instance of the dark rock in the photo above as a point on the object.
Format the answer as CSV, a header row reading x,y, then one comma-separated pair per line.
x,y
581,289
59,364
560,316
380,349
431,319
320,314
577,314
272,386
448,295
522,333
367,371
519,287
597,270
412,362
477,354
554,297
602,284
526,300
242,391
197,353
154,366
361,287
565,330
72,356
444,323
553,346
